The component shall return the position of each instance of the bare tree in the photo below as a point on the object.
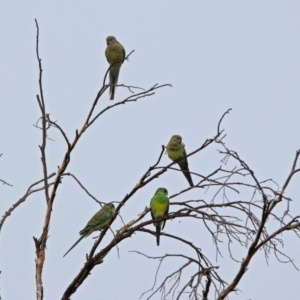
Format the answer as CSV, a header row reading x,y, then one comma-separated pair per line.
x,y
226,219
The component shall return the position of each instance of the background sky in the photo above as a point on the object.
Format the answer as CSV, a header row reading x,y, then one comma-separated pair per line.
x,y
217,55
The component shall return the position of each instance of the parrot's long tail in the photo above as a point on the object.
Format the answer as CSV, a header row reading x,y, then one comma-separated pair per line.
x,y
158,228
186,172
75,244
112,92
113,80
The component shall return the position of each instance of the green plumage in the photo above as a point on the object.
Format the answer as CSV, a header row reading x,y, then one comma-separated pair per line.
x,y
115,55
176,152
159,207
99,221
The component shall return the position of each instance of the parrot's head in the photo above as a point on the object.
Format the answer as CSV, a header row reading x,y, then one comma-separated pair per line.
x,y
110,40
111,208
111,205
161,190
176,139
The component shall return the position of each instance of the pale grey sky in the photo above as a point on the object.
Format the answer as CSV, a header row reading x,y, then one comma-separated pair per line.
x,y
217,55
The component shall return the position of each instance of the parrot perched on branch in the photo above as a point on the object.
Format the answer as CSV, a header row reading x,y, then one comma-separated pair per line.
x,y
99,221
159,207
176,152
115,55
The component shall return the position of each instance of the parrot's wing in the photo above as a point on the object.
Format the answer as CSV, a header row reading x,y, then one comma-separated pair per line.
x,y
98,221
167,211
124,52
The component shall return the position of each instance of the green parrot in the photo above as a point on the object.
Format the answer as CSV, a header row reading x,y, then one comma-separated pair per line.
x,y
159,207
115,55
176,151
99,221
